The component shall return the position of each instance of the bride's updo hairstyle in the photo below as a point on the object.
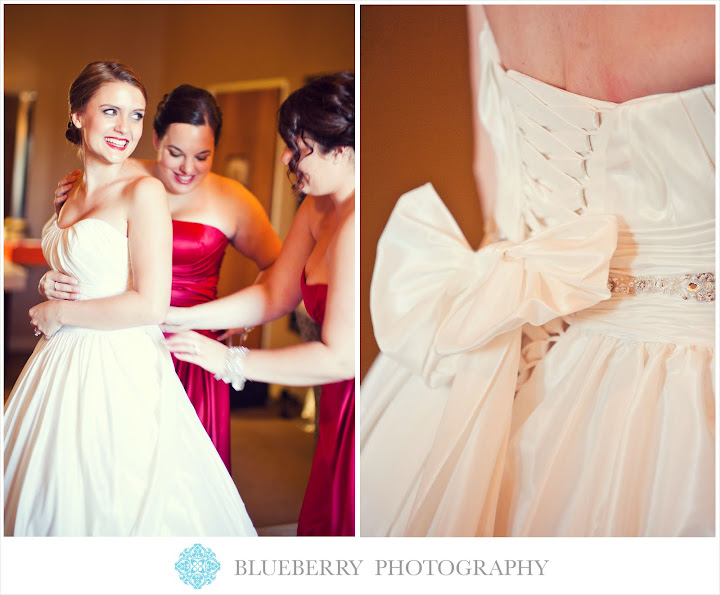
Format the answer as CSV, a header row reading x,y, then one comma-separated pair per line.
x,y
93,76
188,105
323,111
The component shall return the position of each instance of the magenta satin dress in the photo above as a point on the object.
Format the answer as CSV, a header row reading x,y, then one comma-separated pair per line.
x,y
198,251
329,504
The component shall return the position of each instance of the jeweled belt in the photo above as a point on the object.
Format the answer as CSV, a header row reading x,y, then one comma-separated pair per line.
x,y
699,286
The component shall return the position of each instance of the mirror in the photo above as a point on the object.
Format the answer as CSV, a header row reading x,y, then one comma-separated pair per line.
x,y
249,152
19,109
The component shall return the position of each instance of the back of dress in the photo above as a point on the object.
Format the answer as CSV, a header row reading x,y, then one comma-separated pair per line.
x,y
649,161
558,381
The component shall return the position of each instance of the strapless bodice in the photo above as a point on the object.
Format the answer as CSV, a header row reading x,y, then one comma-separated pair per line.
x,y
93,252
198,252
314,298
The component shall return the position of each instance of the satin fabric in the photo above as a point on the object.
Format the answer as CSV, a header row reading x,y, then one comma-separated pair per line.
x,y
514,394
100,438
198,252
329,504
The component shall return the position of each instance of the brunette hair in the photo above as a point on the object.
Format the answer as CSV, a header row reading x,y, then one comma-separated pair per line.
x,y
322,111
188,105
87,83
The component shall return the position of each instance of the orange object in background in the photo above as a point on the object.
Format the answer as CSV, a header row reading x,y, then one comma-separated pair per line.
x,y
26,252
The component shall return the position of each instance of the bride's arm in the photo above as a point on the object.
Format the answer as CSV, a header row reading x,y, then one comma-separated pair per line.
x,y
150,244
318,362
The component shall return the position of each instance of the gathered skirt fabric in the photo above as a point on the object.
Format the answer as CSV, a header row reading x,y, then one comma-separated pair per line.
x,y
101,440
610,436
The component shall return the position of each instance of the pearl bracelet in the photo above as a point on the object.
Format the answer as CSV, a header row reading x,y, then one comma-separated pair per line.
x,y
234,367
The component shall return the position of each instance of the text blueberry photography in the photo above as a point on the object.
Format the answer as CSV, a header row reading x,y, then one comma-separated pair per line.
x,y
410,568
197,566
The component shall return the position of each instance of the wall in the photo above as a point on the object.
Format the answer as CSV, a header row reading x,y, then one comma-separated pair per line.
x,y
46,46
416,125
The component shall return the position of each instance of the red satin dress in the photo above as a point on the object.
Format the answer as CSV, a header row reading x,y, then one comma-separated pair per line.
x,y
329,504
198,251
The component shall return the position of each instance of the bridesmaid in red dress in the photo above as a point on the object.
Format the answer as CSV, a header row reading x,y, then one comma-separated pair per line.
x,y
209,212
329,504
198,251
317,264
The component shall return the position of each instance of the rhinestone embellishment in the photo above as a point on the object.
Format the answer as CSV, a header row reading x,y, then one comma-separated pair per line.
x,y
699,286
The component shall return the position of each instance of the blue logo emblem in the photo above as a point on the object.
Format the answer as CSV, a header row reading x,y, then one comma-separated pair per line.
x,y
197,566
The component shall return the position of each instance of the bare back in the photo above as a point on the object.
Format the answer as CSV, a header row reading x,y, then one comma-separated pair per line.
x,y
615,53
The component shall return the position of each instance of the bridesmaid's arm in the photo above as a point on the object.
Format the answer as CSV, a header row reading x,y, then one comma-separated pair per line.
x,y
318,362
150,243
276,293
254,237
333,357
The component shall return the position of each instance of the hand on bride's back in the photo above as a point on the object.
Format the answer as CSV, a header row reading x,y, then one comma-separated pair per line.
x,y
173,322
63,189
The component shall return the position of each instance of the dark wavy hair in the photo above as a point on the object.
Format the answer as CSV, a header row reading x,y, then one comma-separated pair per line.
x,y
323,111
87,83
188,105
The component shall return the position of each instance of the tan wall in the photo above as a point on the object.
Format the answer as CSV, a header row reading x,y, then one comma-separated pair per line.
x,y
46,46
416,125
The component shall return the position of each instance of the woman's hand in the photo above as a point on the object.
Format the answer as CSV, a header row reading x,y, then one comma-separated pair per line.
x,y
63,189
56,286
174,322
243,332
45,318
199,350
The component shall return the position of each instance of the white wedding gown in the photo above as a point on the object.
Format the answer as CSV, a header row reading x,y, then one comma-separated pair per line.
x,y
516,394
100,437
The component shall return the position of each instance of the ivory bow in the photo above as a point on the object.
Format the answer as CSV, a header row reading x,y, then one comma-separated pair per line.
x,y
454,316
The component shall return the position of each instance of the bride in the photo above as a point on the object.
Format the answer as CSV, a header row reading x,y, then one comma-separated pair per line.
x,y
100,437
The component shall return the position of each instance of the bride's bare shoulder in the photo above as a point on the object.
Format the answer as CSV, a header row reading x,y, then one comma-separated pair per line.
x,y
138,189
615,52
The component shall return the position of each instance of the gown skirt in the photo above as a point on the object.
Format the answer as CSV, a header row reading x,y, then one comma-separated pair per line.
x,y
100,437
